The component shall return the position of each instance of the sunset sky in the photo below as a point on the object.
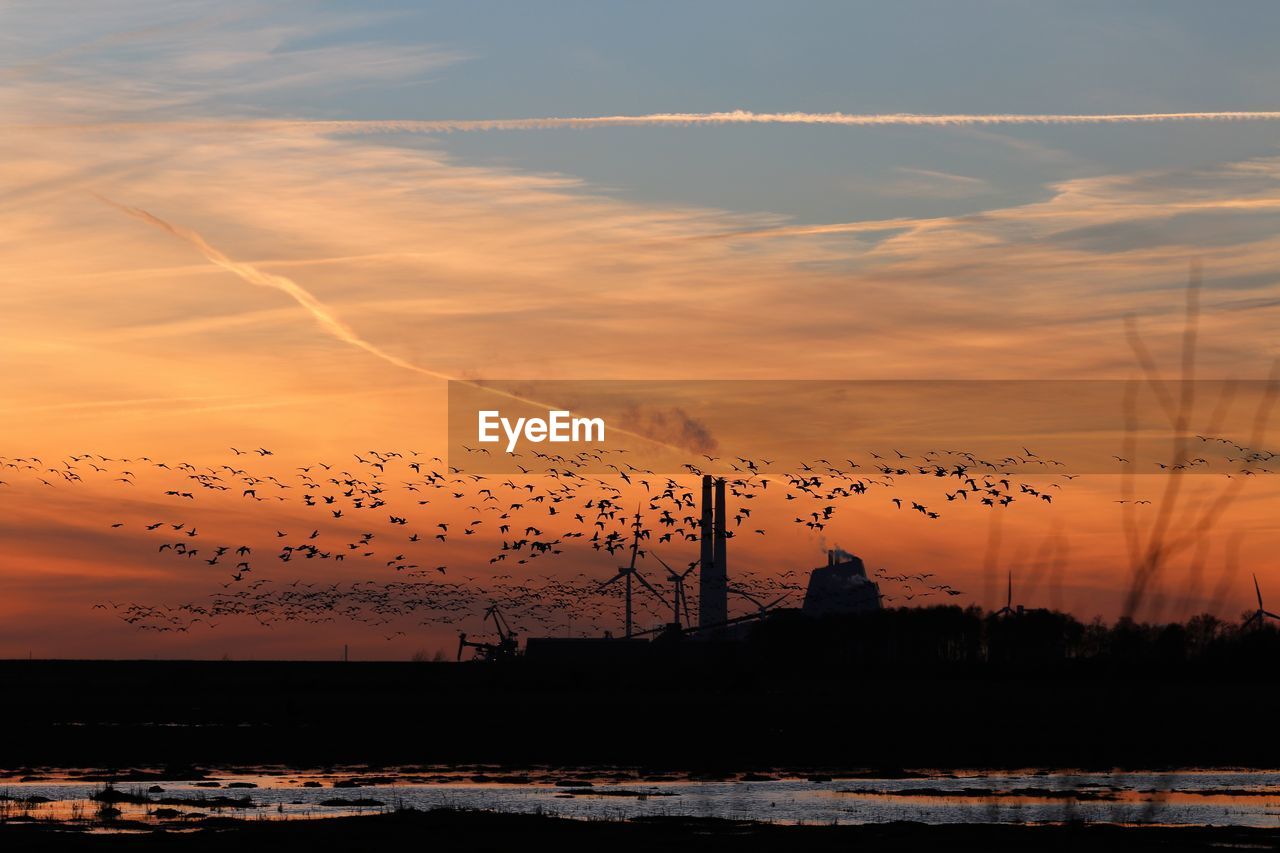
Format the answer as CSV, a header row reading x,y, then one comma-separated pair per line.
x,y
196,254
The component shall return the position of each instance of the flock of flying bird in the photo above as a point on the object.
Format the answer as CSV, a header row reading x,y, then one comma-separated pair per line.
x,y
396,520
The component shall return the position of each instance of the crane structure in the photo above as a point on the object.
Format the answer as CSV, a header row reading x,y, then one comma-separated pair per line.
x,y
507,646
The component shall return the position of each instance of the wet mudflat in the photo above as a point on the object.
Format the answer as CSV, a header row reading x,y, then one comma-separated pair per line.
x,y
483,831
126,800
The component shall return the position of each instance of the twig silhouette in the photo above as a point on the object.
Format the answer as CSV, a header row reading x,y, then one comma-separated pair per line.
x,y
1175,529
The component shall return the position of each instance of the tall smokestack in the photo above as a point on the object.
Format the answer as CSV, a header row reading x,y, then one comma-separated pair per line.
x,y
707,569
705,533
719,550
714,604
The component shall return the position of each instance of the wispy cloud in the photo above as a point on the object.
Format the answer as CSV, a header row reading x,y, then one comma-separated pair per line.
x,y
909,182
181,60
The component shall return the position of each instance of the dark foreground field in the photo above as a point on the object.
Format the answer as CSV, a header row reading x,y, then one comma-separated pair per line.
x,y
686,716
476,831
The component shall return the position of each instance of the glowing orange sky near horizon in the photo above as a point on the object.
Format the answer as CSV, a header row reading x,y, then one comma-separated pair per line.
x,y
120,339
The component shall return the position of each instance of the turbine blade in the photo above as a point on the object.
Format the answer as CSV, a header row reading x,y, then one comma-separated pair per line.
x,y
649,587
1258,590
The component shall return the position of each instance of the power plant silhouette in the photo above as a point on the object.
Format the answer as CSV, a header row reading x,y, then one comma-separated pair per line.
x,y
841,586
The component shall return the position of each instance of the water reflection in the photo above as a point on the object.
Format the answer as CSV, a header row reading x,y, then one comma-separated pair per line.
x,y
1222,798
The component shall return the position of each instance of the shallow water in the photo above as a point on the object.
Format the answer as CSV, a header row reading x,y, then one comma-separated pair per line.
x,y
1216,797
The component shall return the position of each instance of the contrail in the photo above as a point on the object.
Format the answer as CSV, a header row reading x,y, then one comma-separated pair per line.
x,y
327,320
253,275
734,117
817,230
745,117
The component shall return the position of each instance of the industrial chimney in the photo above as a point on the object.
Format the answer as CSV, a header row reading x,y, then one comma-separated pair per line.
x,y
713,586
705,537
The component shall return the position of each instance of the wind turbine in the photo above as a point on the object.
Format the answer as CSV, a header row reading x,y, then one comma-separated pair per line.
x,y
678,598
762,607
1008,610
1260,615
629,572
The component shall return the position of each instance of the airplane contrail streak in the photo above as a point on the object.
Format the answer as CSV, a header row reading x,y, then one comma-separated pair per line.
x,y
734,117
253,275
324,317
746,117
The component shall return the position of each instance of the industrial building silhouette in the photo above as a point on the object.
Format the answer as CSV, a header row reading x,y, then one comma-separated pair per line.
x,y
841,586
